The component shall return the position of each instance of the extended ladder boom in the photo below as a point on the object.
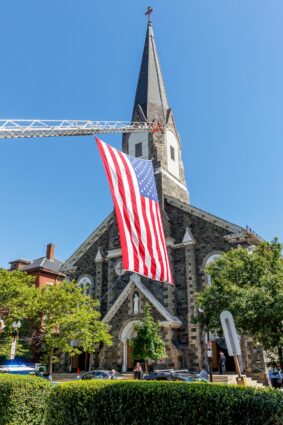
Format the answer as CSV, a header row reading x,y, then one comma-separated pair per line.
x,y
12,129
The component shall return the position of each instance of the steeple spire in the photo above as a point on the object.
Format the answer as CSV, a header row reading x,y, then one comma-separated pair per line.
x,y
163,148
150,92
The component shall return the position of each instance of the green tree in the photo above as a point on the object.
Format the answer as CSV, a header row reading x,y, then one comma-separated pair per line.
x,y
51,317
18,301
18,294
250,286
148,344
70,315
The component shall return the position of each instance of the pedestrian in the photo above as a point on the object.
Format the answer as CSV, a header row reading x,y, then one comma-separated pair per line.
x,y
275,377
203,373
113,374
138,372
222,364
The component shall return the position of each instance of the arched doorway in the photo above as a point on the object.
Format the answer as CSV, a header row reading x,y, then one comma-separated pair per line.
x,y
127,334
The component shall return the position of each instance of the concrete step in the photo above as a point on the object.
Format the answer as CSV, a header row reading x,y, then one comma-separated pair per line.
x,y
231,379
219,379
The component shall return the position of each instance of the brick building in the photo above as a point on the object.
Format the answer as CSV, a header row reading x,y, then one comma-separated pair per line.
x,y
46,270
194,238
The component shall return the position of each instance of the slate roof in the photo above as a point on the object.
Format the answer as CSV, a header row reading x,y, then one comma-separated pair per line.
x,y
43,263
150,92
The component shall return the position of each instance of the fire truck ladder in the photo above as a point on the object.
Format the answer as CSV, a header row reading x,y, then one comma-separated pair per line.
x,y
13,129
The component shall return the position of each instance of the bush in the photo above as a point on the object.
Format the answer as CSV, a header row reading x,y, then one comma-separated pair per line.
x,y
158,403
23,399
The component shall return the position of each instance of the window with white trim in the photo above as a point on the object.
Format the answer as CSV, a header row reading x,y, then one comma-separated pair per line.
x,y
210,260
86,284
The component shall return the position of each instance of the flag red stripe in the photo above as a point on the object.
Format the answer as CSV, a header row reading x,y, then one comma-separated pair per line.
x,y
159,273
120,222
161,248
126,210
150,243
167,263
138,216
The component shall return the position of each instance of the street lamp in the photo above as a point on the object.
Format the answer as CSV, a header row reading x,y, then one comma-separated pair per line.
x,y
16,326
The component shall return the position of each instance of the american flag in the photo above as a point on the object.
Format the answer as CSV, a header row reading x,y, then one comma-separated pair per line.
x,y
138,215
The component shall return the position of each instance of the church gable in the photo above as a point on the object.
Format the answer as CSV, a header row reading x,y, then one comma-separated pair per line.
x,y
132,299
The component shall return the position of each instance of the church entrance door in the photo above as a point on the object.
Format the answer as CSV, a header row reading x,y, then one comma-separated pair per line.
x,y
130,361
128,333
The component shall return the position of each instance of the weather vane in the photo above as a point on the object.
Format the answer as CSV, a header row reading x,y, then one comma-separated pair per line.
x,y
148,13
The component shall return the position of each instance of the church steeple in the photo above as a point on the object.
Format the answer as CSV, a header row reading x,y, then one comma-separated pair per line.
x,y
150,93
151,104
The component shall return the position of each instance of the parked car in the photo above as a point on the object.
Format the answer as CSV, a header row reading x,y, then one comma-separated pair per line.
x,y
173,376
102,374
21,370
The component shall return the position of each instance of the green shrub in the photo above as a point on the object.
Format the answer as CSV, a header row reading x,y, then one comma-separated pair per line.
x,y
23,399
158,403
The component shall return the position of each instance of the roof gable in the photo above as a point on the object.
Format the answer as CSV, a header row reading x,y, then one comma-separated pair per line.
x,y
136,282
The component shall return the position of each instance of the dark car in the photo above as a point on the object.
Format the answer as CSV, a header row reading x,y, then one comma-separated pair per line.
x,y
101,374
171,376
21,370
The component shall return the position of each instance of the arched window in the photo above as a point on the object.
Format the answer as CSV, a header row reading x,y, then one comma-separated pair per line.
x,y
210,259
85,282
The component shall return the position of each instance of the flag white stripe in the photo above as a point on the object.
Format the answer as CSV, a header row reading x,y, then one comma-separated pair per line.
x,y
120,204
166,264
130,209
140,214
157,273
159,241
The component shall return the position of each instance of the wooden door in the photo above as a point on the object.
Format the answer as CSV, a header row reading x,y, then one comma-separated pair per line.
x,y
130,361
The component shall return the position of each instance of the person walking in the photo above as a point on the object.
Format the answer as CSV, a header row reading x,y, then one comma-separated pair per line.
x,y
203,373
222,364
275,377
138,372
113,374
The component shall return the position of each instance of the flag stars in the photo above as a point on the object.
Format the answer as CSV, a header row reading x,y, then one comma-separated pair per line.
x,y
145,177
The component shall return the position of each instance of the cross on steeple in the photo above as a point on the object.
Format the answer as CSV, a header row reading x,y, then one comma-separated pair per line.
x,y
148,13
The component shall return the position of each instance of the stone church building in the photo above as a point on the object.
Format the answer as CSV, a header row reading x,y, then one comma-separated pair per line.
x,y
194,238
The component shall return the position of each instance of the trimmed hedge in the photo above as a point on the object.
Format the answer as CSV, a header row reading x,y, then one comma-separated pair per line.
x,y
158,403
23,399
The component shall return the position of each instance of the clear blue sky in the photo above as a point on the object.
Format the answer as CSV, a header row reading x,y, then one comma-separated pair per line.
x,y
223,67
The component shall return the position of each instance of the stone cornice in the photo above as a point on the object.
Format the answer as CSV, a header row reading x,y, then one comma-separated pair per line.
x,y
114,253
245,236
204,215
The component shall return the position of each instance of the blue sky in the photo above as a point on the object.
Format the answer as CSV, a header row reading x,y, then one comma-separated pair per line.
x,y
223,68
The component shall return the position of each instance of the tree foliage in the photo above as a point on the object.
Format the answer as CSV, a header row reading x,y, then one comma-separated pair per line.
x,y
55,319
148,343
18,301
249,285
70,320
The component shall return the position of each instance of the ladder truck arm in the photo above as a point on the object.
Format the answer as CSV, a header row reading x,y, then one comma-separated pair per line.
x,y
13,129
